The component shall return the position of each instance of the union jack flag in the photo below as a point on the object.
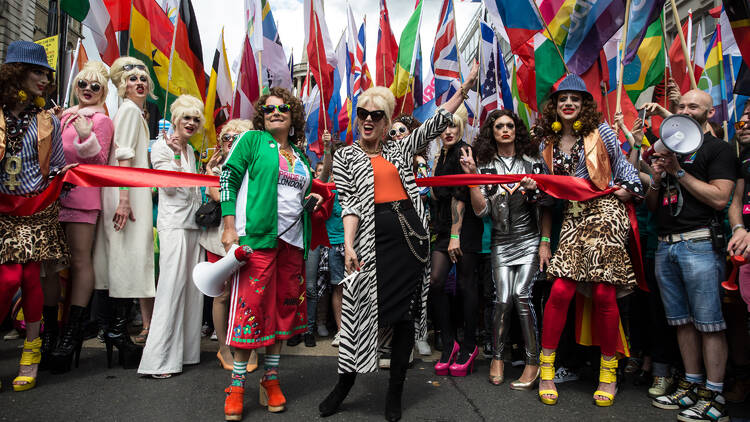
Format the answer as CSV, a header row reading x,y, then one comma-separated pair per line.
x,y
445,60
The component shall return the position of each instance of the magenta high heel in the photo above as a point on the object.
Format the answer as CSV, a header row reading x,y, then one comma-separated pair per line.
x,y
462,370
442,368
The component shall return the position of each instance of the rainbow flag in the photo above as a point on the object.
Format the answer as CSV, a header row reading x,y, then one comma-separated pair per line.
x,y
407,59
712,80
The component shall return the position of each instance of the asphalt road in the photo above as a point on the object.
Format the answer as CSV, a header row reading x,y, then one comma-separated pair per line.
x,y
94,393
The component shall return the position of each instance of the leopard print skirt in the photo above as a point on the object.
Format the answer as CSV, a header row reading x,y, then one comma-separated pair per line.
x,y
33,238
593,242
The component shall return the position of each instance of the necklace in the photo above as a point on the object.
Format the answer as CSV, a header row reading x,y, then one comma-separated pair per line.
x,y
371,152
288,154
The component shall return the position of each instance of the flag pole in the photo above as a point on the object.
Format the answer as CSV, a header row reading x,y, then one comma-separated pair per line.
x,y
130,25
478,112
557,48
72,75
676,16
324,108
621,68
455,35
260,72
171,56
722,81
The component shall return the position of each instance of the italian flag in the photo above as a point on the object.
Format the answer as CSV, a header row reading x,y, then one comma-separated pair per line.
x,y
94,14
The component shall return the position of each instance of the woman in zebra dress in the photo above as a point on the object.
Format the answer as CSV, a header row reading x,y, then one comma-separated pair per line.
x,y
386,242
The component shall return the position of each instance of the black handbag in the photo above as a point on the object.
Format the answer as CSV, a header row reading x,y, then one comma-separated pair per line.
x,y
209,214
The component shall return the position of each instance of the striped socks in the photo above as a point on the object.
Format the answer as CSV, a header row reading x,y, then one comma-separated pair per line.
x,y
271,366
238,374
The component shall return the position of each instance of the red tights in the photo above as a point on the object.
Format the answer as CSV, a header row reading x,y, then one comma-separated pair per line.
x,y
606,316
25,276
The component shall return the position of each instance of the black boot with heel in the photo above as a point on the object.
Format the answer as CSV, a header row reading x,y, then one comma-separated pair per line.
x,y
70,342
403,343
49,335
128,353
331,404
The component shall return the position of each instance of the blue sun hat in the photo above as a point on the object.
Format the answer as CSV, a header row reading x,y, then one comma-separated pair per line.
x,y
574,83
27,52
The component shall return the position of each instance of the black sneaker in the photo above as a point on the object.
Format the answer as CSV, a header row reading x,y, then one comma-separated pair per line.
x,y
309,340
294,340
711,407
683,397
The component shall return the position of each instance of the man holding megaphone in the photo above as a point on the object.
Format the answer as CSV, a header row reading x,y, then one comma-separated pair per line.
x,y
692,184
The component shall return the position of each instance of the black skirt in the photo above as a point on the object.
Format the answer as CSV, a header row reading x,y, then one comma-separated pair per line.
x,y
400,263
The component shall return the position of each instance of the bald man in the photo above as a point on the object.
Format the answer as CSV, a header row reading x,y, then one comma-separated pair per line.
x,y
688,197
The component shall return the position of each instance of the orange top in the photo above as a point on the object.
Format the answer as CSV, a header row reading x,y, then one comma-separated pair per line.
x,y
388,187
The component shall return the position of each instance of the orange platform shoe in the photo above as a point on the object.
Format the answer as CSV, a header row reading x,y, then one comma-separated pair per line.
x,y
271,395
233,403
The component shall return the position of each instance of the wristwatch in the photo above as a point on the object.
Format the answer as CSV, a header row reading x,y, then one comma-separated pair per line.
x,y
680,174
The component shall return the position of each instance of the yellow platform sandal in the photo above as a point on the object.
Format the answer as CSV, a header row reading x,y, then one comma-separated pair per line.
x,y
608,374
31,355
547,374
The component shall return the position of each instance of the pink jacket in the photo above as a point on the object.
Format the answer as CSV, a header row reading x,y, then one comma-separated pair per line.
x,y
94,150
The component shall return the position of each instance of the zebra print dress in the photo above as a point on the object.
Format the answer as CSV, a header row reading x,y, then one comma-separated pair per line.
x,y
355,182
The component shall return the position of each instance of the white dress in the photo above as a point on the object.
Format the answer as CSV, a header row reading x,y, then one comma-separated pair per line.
x,y
175,336
124,260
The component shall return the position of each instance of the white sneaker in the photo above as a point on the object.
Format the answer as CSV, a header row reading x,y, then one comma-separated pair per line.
x,y
424,348
323,331
336,339
214,337
563,374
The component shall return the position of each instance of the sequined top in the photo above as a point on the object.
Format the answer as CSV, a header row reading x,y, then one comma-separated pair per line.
x,y
515,229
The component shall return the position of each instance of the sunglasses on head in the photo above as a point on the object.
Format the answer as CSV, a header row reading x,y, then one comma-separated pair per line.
x,y
134,78
375,115
739,125
129,67
500,126
228,137
283,108
393,132
93,86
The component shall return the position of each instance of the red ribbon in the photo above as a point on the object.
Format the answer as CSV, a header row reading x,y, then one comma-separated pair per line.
x,y
98,176
560,187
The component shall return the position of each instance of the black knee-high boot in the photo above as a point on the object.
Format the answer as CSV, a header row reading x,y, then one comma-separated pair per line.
x,y
331,404
403,343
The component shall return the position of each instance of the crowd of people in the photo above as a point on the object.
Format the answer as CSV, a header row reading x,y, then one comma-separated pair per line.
x,y
358,245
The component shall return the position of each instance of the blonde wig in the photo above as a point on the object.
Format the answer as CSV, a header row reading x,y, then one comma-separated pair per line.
x,y
186,105
94,72
120,76
236,126
381,98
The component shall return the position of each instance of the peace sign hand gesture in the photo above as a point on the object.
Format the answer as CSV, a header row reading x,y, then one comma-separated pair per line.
x,y
467,161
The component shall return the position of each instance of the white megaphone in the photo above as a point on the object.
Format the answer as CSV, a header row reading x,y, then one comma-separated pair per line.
x,y
678,133
209,277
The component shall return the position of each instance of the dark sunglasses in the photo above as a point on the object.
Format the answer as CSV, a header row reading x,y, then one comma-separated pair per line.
x,y
128,67
393,132
93,86
228,138
135,78
500,126
376,115
739,125
283,108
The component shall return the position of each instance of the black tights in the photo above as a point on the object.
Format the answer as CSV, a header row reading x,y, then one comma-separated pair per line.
x,y
441,302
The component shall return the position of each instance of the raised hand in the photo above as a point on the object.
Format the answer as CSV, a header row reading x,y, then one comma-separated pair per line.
x,y
83,126
467,161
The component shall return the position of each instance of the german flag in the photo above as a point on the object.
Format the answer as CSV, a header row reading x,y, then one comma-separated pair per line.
x,y
151,34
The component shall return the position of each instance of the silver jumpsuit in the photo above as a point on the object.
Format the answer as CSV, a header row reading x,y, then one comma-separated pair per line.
x,y
514,246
